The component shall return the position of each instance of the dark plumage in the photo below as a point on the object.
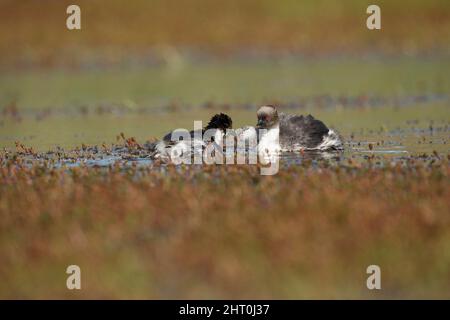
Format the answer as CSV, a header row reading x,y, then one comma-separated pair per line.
x,y
219,121
297,131
306,131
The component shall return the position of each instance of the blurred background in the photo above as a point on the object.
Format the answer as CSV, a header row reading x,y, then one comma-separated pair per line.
x,y
137,66
33,32
145,67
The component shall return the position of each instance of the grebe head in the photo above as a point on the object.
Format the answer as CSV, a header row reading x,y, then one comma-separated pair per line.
x,y
220,121
267,117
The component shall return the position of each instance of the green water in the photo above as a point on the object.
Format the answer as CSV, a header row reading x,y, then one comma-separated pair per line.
x,y
139,90
226,82
391,125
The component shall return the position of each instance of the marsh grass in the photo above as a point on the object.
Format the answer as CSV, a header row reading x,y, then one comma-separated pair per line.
x,y
159,231
226,231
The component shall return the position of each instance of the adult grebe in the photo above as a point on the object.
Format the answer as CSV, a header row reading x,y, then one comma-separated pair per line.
x,y
295,132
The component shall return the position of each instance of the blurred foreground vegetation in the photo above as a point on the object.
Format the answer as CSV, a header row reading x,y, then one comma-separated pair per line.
x,y
226,231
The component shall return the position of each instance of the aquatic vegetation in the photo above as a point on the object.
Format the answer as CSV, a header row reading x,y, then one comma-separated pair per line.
x,y
75,190
79,186
225,231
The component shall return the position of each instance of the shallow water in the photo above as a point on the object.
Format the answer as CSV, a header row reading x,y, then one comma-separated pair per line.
x,y
383,135
385,108
376,147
